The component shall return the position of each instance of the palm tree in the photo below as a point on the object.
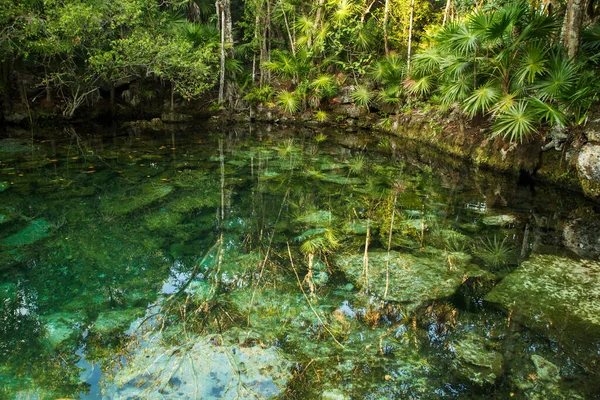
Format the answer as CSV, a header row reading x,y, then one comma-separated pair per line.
x,y
506,64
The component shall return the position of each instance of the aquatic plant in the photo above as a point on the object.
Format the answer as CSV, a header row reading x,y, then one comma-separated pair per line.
x,y
494,252
356,164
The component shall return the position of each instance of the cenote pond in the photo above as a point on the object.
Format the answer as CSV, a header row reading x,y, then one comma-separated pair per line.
x,y
258,262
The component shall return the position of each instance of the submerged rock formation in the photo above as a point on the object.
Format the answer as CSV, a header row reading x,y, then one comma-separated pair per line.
x,y
411,279
201,368
554,291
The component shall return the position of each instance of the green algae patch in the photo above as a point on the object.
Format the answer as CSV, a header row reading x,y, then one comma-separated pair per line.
x,y
125,203
116,321
412,279
476,361
163,221
35,231
61,327
203,368
551,290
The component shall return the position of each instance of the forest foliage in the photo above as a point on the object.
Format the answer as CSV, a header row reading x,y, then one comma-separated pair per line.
x,y
525,66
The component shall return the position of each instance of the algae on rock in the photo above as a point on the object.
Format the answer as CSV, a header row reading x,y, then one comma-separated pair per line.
x,y
202,368
412,279
125,203
476,362
550,290
35,231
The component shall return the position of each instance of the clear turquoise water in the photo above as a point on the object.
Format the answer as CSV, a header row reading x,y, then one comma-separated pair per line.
x,y
254,238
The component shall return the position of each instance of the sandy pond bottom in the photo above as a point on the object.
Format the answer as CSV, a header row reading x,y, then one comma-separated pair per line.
x,y
268,263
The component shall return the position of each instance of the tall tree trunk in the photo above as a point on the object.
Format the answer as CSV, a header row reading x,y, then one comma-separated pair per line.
x,y
410,30
226,26
386,16
572,26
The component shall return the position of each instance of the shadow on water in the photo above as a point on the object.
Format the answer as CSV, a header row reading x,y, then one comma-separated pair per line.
x,y
301,263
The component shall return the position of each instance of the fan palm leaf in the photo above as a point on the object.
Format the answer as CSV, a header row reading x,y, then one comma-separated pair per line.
x,y
482,99
517,123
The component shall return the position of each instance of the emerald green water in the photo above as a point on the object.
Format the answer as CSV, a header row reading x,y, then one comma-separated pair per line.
x,y
196,263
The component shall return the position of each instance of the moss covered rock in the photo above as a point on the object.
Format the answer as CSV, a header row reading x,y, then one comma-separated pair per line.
x,y
37,229
554,291
412,279
123,203
204,368
476,361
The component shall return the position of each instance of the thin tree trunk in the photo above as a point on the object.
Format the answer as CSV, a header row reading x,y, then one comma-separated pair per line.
x,y
447,12
386,15
410,29
287,27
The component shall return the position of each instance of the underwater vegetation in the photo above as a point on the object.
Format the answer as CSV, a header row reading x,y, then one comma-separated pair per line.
x,y
283,264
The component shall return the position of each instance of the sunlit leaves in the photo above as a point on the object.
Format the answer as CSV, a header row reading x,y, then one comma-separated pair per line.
x,y
533,62
288,101
362,96
516,123
481,99
559,79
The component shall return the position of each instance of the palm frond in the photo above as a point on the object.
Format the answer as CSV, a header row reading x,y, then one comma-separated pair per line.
x,y
482,99
517,123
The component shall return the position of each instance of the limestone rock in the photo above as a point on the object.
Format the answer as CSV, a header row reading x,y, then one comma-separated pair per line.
x,y
476,362
334,394
117,320
588,162
545,370
203,368
582,236
412,279
550,290
35,231
61,327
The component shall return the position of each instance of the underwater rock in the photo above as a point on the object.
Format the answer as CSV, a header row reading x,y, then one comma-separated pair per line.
x,y
163,220
8,146
475,361
499,220
334,394
61,327
35,231
8,292
117,320
582,236
204,368
412,279
545,370
143,196
550,290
